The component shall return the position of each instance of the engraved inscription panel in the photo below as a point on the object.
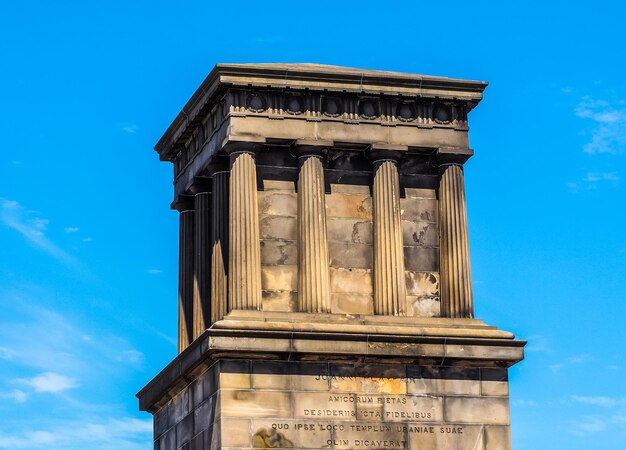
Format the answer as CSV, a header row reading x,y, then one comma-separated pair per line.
x,y
384,410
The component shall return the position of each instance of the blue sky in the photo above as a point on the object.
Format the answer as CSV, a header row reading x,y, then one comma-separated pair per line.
x,y
88,245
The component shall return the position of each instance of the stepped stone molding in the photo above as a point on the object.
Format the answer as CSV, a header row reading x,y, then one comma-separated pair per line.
x,y
313,269
456,276
389,283
219,246
244,270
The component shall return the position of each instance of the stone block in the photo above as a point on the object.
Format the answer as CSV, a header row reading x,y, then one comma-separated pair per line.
x,y
279,185
277,203
277,227
420,234
349,230
494,382
286,301
351,281
352,304
350,189
421,259
359,256
279,278
425,306
204,415
419,209
277,252
497,437
486,410
235,432
168,440
248,403
422,283
184,430
420,193
349,205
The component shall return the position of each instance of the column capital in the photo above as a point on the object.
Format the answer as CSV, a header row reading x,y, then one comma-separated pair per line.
x,y
302,148
200,185
218,164
183,203
234,148
452,155
379,153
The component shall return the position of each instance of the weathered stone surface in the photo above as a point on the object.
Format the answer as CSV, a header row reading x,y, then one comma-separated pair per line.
x,y
349,205
278,227
350,189
358,256
279,301
421,259
249,403
421,234
348,281
423,306
419,209
278,203
350,230
497,437
346,303
420,193
422,283
279,278
488,410
278,253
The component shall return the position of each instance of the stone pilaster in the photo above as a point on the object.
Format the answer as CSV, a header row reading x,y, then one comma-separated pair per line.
x,y
244,268
389,283
456,276
313,270
219,246
202,262
185,272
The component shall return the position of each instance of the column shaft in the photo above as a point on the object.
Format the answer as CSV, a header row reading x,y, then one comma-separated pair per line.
x,y
389,283
185,279
313,271
202,266
456,277
244,272
219,246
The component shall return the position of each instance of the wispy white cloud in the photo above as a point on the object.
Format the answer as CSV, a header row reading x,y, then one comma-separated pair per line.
x,y
49,382
608,125
71,229
33,228
17,395
154,271
605,402
592,180
521,403
130,128
106,434
87,239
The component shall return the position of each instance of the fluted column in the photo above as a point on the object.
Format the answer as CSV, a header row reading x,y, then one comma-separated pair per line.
x,y
185,273
313,271
389,283
219,246
244,269
202,263
456,276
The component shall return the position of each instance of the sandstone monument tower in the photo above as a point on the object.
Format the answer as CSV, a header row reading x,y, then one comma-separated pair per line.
x,y
325,297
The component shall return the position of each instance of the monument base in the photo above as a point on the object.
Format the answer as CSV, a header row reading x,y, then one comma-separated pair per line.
x,y
234,389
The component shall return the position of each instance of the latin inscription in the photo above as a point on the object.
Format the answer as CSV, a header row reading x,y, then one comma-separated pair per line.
x,y
380,435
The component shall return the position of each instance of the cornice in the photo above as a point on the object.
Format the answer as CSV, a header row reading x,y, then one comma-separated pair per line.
x,y
208,100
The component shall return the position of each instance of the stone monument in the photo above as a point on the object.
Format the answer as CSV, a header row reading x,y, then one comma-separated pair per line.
x,y
325,297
